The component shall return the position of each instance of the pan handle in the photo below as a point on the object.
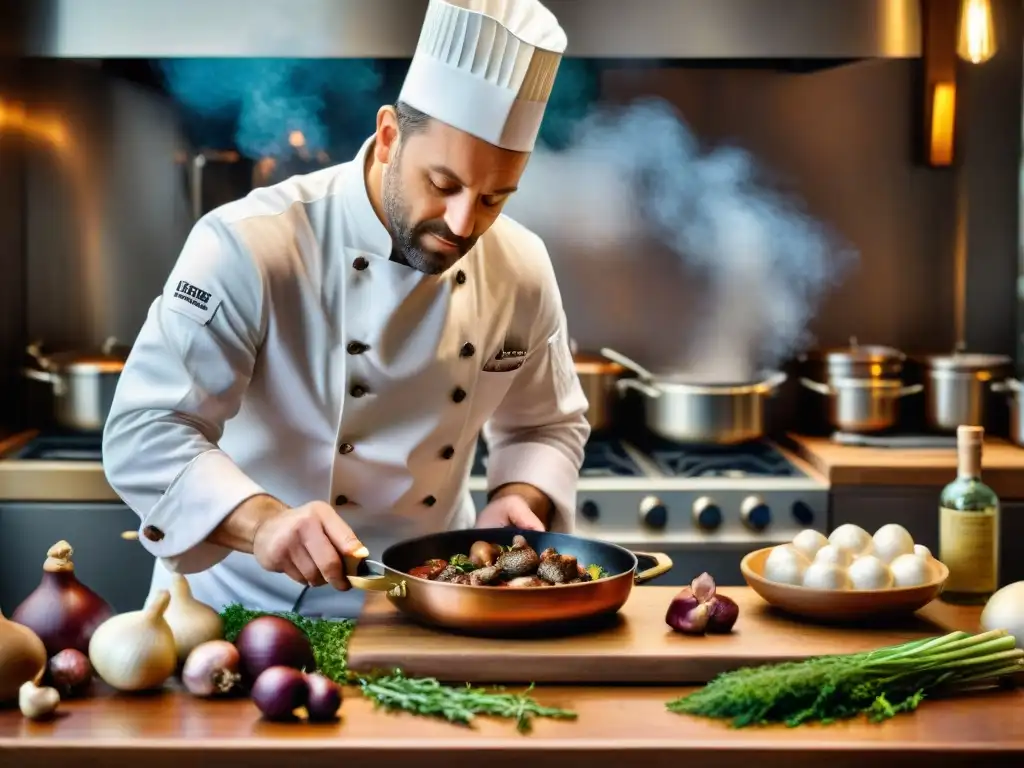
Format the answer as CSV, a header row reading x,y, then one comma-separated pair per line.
x,y
356,565
662,564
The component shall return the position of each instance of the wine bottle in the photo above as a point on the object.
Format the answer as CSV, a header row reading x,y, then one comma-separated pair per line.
x,y
969,526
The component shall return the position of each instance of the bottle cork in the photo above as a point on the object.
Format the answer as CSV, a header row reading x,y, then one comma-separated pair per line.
x,y
969,443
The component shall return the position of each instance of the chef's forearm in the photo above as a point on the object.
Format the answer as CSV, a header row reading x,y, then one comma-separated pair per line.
x,y
537,500
238,530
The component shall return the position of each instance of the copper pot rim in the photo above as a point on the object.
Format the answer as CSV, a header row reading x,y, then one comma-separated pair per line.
x,y
591,364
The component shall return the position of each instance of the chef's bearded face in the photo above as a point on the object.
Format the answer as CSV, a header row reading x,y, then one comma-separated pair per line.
x,y
441,188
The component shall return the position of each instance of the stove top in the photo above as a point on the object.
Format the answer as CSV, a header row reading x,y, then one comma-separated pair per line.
x,y
608,457
61,447
602,457
751,460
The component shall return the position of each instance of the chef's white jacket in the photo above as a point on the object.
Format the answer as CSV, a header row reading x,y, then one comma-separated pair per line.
x,y
288,355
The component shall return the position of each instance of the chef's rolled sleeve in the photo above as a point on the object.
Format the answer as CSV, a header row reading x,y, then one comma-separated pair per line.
x,y
538,432
184,378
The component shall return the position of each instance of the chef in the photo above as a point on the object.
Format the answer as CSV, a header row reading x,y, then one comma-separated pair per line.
x,y
315,374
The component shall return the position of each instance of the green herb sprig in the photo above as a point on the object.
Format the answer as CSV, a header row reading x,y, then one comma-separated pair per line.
x,y
877,684
394,691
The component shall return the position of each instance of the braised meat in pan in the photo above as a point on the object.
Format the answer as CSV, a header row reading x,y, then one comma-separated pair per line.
x,y
518,565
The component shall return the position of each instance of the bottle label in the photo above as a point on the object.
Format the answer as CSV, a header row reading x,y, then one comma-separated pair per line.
x,y
967,546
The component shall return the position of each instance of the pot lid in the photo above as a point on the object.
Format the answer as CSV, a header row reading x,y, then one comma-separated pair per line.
x,y
969,362
593,364
110,358
84,362
860,353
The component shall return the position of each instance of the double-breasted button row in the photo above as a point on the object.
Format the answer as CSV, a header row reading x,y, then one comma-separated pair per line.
x,y
360,263
356,347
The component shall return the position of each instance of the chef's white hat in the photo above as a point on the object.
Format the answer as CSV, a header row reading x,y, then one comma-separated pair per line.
x,y
487,68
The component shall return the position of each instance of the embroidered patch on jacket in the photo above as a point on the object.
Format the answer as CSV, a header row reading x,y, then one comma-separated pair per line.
x,y
506,360
192,301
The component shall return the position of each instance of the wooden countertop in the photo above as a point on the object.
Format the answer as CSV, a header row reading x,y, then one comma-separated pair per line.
x,y
1002,464
616,725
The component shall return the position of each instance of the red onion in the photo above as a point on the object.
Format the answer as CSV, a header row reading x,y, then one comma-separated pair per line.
x,y
698,609
70,673
279,691
324,698
211,669
62,611
271,641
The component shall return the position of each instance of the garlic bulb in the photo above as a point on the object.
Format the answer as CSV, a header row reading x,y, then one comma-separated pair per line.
x,y
191,621
135,651
37,703
22,658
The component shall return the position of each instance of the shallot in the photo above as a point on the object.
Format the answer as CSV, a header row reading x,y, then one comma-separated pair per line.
x,y
698,609
324,698
211,669
271,641
62,611
70,673
279,691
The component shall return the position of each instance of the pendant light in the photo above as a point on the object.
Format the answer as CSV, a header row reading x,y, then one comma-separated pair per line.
x,y
976,41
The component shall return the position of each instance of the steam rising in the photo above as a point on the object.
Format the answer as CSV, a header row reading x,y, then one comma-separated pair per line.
x,y
763,263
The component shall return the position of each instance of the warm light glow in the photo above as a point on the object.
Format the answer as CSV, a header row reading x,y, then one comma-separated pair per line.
x,y
940,146
14,117
977,43
296,139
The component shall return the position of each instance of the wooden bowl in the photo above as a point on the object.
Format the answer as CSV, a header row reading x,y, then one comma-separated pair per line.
x,y
839,605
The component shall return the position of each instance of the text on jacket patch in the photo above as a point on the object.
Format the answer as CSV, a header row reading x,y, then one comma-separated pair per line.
x,y
194,296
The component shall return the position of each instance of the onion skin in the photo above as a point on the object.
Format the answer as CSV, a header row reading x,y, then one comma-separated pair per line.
x,y
70,673
687,614
270,641
279,691
63,612
723,613
212,669
698,609
324,698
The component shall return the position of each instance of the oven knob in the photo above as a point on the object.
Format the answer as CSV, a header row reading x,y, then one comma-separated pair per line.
x,y
589,510
803,513
755,513
706,514
653,513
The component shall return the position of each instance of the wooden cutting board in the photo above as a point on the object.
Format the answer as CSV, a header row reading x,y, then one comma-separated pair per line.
x,y
637,648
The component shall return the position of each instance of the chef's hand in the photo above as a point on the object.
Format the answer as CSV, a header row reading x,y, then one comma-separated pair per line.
x,y
511,510
306,543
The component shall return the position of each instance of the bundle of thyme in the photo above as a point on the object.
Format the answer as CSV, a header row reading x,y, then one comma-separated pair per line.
x,y
393,690
878,684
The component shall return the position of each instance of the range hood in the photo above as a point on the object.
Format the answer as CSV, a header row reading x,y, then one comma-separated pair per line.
x,y
659,29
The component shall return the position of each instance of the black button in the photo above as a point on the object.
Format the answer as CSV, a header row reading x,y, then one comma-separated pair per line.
x,y
458,395
447,452
341,501
467,350
460,277
346,448
356,347
152,533
430,501
360,263
358,390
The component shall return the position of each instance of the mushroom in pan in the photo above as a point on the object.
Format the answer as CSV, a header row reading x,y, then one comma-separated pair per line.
x,y
558,569
528,581
485,576
520,560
